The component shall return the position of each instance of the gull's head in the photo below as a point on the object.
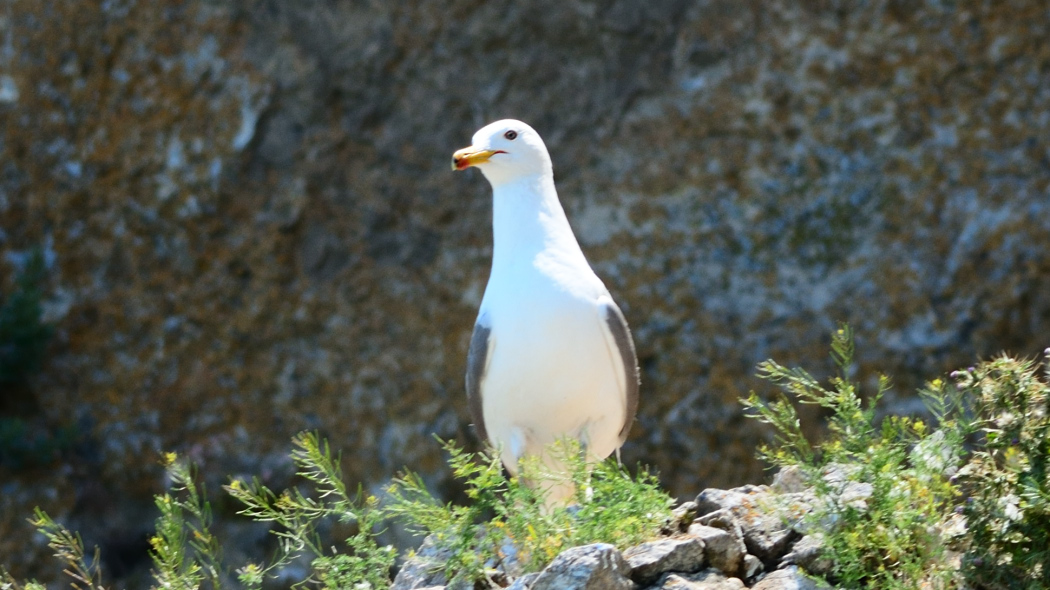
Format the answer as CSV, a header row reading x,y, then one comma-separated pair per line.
x,y
504,151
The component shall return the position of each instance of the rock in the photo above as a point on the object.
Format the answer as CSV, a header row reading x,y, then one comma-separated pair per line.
x,y
723,550
683,515
649,561
821,179
789,579
789,480
754,509
706,580
855,495
592,567
752,567
713,499
806,553
524,582
424,569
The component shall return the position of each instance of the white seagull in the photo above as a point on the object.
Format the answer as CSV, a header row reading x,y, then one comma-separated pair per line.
x,y
551,356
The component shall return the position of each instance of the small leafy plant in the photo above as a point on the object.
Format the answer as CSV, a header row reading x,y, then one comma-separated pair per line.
x,y
509,527
882,490
299,517
85,573
186,555
1007,482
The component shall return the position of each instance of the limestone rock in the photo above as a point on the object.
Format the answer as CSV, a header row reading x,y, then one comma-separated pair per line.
x,y
524,582
253,230
706,580
755,510
806,553
591,567
650,560
752,567
789,480
724,550
788,579
683,515
424,569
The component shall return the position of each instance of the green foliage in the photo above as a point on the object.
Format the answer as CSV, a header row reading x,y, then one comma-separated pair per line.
x,y
23,337
882,490
185,553
298,517
1008,480
522,531
7,582
69,549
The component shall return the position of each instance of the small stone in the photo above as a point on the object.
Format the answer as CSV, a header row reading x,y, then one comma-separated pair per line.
x,y
806,553
649,560
705,580
789,480
790,578
721,519
684,514
855,494
712,499
724,550
524,582
424,569
752,567
751,509
591,567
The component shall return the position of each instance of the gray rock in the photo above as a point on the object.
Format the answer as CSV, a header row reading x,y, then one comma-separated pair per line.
x,y
752,567
855,495
592,567
753,509
706,580
759,223
424,569
713,499
525,582
807,553
684,514
789,480
649,560
790,578
723,549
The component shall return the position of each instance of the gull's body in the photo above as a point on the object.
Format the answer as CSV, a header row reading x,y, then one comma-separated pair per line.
x,y
551,356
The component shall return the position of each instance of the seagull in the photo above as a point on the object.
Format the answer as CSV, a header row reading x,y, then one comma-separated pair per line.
x,y
551,356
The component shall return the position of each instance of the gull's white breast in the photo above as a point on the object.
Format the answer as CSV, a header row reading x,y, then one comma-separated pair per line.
x,y
551,372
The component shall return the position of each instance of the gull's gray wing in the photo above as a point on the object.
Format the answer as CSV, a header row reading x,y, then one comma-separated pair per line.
x,y
625,346
477,362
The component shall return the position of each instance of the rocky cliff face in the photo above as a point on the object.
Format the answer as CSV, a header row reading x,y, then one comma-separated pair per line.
x,y
251,228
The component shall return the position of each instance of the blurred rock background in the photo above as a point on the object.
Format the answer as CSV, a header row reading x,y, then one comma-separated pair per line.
x,y
248,226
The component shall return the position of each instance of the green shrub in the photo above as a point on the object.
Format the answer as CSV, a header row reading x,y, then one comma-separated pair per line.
x,y
1007,482
84,573
882,490
507,522
186,555
23,336
887,498
299,517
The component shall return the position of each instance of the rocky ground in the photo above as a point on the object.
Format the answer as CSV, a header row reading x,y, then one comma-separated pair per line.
x,y
250,228
724,540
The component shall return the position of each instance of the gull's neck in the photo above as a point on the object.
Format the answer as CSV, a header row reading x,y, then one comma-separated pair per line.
x,y
527,220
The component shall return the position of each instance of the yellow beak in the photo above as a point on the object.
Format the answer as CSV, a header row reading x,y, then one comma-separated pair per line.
x,y
471,156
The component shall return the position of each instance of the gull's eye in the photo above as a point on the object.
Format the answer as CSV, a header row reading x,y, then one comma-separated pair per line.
x,y
511,135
